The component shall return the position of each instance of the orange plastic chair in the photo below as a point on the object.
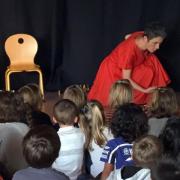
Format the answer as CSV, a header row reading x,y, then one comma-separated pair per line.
x,y
21,50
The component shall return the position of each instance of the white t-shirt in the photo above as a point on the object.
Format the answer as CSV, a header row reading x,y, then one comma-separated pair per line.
x,y
143,174
96,152
71,153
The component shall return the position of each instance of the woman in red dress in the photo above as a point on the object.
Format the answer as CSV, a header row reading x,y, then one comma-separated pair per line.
x,y
133,59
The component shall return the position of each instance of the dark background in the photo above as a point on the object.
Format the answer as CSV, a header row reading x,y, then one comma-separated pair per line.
x,y
75,35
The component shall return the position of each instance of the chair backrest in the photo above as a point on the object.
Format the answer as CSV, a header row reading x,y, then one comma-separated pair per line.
x,y
21,49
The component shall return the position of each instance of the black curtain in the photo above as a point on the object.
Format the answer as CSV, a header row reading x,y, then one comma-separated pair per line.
x,y
75,35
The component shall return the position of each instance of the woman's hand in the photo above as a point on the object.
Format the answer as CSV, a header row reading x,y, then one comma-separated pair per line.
x,y
150,89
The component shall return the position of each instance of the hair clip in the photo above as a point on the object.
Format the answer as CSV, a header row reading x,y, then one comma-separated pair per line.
x,y
123,81
162,89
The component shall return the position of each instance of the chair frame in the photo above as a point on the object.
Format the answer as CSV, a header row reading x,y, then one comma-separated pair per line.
x,y
12,69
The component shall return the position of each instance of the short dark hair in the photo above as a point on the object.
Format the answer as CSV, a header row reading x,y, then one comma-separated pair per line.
x,y
65,111
129,122
154,29
41,146
166,169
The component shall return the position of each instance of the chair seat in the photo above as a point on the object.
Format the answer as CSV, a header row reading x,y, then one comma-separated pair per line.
x,y
27,67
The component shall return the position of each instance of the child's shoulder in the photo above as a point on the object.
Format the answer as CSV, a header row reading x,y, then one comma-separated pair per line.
x,y
116,142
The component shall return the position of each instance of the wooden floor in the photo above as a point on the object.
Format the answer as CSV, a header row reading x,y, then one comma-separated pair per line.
x,y
52,97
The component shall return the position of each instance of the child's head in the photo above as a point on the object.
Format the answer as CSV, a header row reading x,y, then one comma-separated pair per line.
x,y
166,169
65,112
37,96
170,137
163,102
129,122
12,107
120,93
76,94
41,146
27,95
146,151
94,122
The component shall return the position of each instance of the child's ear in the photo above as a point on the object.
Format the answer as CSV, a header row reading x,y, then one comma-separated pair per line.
x,y
76,119
54,120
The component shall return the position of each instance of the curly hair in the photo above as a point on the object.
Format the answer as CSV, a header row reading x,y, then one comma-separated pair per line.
x,y
129,122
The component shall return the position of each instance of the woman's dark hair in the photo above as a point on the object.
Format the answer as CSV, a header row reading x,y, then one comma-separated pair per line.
x,y
170,137
154,29
129,122
41,146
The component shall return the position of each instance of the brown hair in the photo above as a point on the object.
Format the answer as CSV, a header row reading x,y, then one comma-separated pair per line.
x,y
27,94
163,102
41,146
12,107
65,112
146,150
37,96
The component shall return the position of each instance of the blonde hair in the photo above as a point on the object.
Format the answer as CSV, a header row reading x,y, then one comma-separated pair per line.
x,y
120,93
163,102
76,94
93,123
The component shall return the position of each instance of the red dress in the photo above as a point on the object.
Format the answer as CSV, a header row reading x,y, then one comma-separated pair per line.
x,y
147,71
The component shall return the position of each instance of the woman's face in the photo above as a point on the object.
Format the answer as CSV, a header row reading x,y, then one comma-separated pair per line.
x,y
153,44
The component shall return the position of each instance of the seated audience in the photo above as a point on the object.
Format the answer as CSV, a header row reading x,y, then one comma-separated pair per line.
x,y
40,148
128,123
163,105
146,152
70,157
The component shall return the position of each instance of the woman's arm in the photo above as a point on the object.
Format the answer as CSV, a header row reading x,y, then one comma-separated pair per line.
x,y
108,168
126,74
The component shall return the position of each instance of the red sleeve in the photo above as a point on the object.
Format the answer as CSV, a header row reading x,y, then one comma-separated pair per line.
x,y
126,52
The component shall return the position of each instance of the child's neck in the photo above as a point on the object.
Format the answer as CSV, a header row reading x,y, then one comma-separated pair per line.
x,y
65,125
